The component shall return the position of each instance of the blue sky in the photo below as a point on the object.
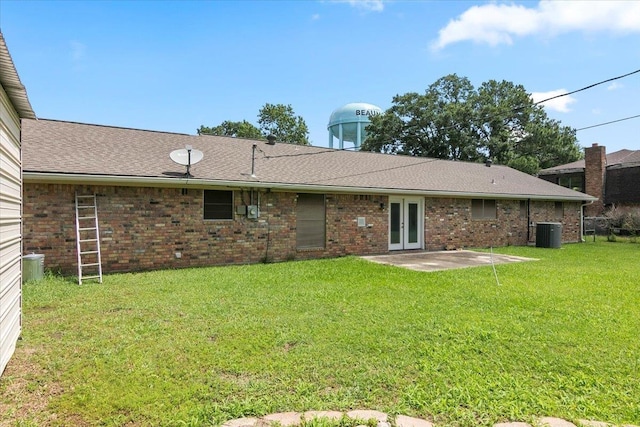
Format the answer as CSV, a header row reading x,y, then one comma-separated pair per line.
x,y
173,66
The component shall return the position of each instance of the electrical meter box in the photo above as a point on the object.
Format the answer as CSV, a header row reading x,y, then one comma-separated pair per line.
x,y
252,212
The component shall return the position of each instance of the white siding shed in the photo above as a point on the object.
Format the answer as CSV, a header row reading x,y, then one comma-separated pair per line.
x,y
14,105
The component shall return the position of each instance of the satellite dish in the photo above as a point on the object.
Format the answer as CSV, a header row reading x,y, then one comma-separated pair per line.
x,y
186,157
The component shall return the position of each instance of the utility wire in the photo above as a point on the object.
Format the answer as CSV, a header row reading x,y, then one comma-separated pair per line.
x,y
608,123
429,160
587,87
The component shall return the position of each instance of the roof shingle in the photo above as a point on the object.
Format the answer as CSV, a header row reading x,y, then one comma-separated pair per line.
x,y
82,151
617,158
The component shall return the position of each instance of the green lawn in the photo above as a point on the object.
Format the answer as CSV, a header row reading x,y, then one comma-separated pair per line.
x,y
558,337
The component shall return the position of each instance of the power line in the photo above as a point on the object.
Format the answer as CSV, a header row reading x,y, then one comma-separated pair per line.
x,y
608,123
587,87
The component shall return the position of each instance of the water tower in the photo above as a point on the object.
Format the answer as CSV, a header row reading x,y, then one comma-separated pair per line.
x,y
348,123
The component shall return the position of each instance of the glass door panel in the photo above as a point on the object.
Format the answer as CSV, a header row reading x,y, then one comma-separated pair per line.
x,y
405,223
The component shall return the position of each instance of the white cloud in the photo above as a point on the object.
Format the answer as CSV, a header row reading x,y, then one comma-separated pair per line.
x,y
495,24
367,5
614,86
560,104
315,17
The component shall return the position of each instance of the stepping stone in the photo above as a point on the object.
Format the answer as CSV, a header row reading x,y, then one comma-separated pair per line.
x,y
590,423
555,422
241,422
367,415
514,424
332,415
285,419
404,421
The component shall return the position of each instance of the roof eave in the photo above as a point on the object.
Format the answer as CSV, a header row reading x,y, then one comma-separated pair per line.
x,y
560,171
12,85
65,178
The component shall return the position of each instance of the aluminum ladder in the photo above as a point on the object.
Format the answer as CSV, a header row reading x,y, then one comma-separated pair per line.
x,y
88,239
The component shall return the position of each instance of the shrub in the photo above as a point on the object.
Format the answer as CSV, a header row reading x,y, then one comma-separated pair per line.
x,y
624,218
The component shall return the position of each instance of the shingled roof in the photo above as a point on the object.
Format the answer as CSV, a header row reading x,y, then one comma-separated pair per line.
x,y
619,158
57,151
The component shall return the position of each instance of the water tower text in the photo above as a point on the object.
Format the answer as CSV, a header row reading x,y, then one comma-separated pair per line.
x,y
367,112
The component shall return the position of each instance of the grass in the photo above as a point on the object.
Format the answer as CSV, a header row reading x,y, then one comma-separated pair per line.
x,y
558,337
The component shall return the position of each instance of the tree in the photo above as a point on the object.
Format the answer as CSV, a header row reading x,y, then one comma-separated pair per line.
x,y
429,125
280,121
242,129
453,120
503,111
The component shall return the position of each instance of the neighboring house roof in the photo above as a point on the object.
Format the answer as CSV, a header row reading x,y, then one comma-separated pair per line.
x,y
57,151
11,84
616,159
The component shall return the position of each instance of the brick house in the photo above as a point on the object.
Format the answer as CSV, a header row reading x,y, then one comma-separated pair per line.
x,y
14,106
252,201
612,178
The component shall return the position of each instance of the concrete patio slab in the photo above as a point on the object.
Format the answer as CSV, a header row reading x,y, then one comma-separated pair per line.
x,y
444,260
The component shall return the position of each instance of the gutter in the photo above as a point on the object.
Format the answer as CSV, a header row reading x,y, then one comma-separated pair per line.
x,y
129,181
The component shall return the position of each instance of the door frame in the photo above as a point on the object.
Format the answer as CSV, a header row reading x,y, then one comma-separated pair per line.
x,y
405,203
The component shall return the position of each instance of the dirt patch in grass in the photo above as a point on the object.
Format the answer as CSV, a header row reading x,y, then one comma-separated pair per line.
x,y
26,392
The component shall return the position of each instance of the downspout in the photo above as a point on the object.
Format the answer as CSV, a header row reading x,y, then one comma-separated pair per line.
x,y
528,221
582,239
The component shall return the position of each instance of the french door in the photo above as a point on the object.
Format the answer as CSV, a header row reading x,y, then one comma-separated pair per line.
x,y
406,223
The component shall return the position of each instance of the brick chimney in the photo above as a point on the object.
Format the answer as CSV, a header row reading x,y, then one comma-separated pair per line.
x,y
595,165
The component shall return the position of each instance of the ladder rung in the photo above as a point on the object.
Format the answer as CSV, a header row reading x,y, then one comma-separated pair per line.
x,y
88,202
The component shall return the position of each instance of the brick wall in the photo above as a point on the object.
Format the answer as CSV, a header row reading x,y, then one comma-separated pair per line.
x,y
449,224
144,228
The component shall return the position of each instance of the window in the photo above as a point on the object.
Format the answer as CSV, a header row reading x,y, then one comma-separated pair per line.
x,y
524,208
483,209
310,221
218,204
559,210
575,182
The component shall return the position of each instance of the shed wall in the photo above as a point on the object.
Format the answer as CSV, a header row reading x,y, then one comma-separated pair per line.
x,y
10,230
